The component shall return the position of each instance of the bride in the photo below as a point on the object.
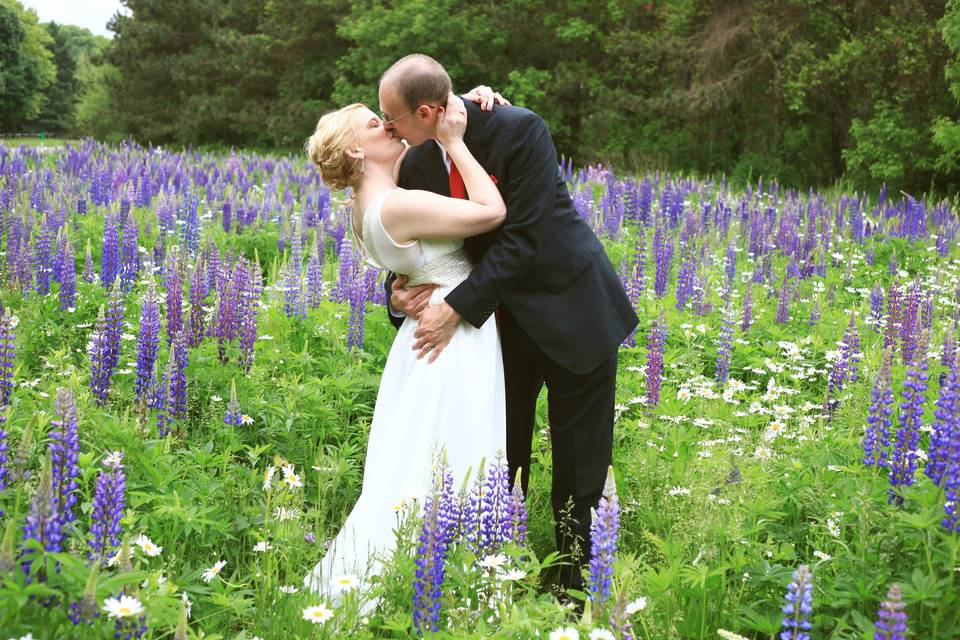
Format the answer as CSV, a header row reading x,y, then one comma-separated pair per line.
x,y
455,404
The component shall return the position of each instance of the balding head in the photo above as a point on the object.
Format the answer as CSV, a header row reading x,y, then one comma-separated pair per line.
x,y
417,79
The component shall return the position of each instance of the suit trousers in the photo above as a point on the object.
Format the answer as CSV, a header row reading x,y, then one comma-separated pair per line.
x,y
580,409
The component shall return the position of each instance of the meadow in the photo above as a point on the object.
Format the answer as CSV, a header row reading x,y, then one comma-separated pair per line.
x,y
189,356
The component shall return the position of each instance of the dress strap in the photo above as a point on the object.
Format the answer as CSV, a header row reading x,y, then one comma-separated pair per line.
x,y
367,247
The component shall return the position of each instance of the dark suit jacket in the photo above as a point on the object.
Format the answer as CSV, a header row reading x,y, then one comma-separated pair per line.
x,y
544,264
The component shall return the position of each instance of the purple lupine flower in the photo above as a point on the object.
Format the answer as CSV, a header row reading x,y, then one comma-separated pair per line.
x,y
493,509
851,341
783,302
226,321
7,339
111,250
725,345
945,420
799,606
747,315
148,341
903,461
951,476
198,294
43,522
109,500
876,306
248,323
604,533
655,345
663,255
620,620
3,451
814,314
174,299
64,454
435,536
891,617
225,218
105,346
949,352
232,414
358,308
44,267
89,275
315,276
341,292
517,512
67,276
909,323
129,254
878,420
178,378
686,276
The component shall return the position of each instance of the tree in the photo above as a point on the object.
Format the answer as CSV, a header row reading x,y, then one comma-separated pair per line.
x,y
27,68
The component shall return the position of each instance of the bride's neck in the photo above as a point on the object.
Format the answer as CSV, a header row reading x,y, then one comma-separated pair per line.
x,y
374,181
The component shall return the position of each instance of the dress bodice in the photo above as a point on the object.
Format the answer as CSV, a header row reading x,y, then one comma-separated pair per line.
x,y
441,262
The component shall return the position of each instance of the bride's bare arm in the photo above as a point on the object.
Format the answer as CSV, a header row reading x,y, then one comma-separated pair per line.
x,y
409,215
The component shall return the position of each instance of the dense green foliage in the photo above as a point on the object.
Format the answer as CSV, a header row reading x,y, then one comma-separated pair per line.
x,y
805,91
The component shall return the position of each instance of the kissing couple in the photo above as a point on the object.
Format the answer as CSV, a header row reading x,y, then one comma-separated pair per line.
x,y
497,287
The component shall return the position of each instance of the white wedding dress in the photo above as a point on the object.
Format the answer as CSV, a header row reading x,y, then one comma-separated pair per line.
x,y
455,403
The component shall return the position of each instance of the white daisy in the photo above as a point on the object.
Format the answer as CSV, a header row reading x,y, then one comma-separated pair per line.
x,y
637,605
345,583
601,634
146,544
318,614
494,561
245,419
730,635
288,588
213,571
268,476
122,607
512,575
565,633
262,547
679,491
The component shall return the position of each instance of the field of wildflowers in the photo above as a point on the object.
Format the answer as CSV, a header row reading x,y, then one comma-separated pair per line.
x,y
190,352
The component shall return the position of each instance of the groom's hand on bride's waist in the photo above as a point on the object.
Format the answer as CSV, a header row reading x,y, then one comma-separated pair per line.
x,y
435,330
410,302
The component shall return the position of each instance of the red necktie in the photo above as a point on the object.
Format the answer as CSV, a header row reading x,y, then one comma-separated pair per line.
x,y
457,188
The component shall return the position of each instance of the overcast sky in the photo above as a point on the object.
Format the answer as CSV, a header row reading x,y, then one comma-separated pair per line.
x,y
92,14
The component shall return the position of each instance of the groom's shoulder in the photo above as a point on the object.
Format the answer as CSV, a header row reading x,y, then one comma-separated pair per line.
x,y
506,116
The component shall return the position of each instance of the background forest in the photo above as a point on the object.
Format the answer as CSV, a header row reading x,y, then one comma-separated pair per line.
x,y
804,91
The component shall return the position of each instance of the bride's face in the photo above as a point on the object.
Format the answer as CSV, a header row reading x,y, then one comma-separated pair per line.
x,y
376,143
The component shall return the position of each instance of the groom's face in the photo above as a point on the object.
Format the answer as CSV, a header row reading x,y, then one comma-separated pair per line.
x,y
415,124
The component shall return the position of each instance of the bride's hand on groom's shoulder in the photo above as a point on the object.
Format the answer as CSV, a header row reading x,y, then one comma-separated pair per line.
x,y
452,121
486,97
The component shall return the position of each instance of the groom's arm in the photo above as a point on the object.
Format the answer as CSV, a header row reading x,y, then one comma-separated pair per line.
x,y
396,318
531,192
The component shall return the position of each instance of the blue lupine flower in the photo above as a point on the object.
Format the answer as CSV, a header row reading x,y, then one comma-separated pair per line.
x,y
878,420
891,618
232,415
64,455
435,536
655,346
174,299
68,277
7,339
604,533
903,462
111,249
799,606
493,514
178,379
43,522
945,417
725,345
148,341
109,500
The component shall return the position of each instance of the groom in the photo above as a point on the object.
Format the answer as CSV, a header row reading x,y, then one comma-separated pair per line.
x,y
561,308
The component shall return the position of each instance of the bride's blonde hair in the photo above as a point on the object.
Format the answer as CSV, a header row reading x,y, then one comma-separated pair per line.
x,y
328,146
